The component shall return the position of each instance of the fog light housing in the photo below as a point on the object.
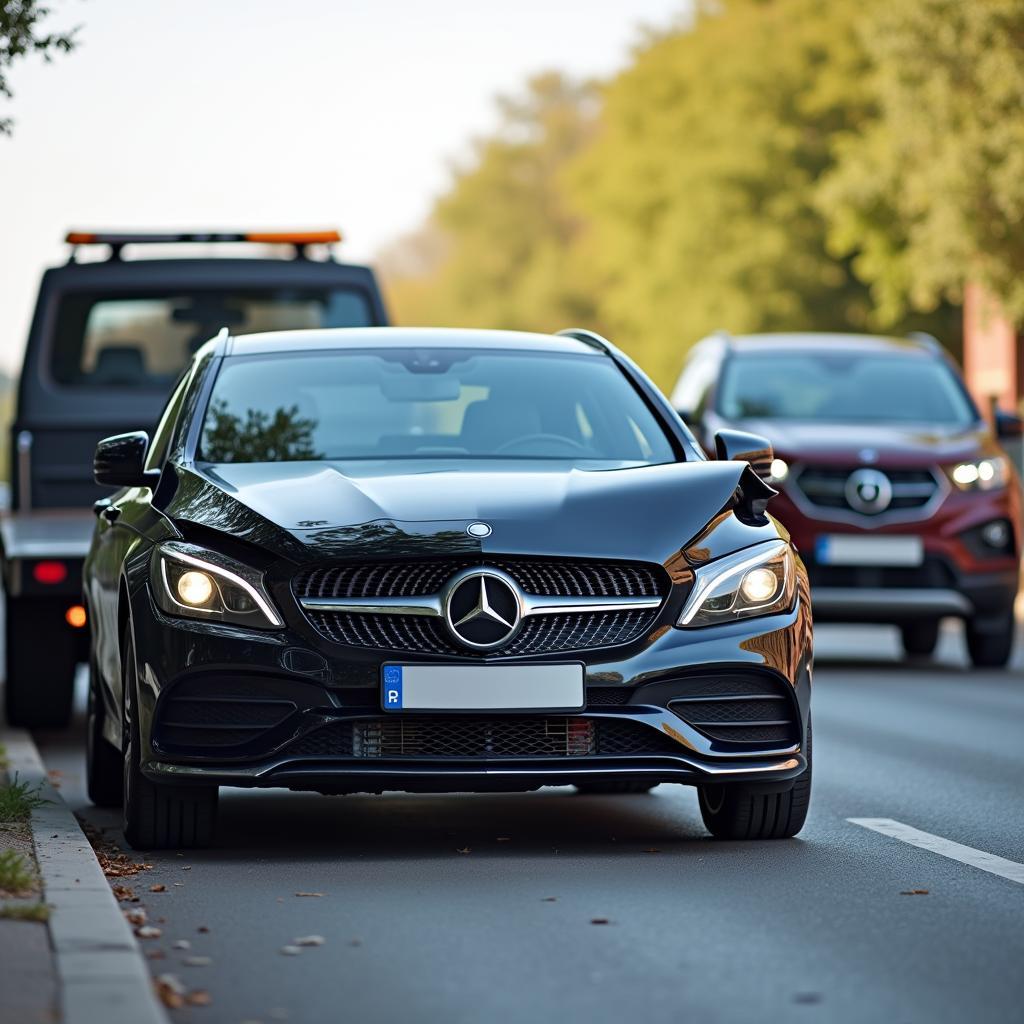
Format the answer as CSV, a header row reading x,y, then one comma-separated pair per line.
x,y
997,534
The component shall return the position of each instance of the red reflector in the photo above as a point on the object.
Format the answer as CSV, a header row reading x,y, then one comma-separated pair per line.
x,y
49,572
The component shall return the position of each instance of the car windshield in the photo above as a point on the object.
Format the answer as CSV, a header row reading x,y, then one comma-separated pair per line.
x,y
143,340
428,404
842,386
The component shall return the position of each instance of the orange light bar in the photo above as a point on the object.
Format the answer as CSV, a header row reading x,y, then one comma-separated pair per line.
x,y
80,238
294,237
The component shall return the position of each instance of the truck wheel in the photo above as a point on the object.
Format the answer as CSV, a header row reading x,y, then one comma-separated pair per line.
x,y
159,816
104,775
920,638
990,641
41,659
741,811
611,786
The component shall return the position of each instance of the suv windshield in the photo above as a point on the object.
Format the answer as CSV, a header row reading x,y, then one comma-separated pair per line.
x,y
144,339
428,404
842,386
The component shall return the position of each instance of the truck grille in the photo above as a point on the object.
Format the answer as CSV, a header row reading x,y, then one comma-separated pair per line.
x,y
546,634
465,737
825,487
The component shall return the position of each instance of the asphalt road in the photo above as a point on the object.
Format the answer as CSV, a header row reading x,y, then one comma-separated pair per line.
x,y
482,908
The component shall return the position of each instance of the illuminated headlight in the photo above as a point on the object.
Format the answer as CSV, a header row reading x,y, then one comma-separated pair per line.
x,y
779,470
198,583
756,581
984,475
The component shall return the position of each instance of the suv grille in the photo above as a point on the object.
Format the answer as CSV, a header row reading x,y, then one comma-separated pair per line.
x,y
825,487
540,634
466,737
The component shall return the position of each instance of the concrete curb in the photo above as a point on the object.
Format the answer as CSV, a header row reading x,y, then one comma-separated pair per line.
x,y
102,974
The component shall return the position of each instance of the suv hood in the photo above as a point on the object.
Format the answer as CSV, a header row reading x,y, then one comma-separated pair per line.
x,y
337,510
893,444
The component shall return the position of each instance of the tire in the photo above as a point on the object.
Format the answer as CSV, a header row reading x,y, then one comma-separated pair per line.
x,y
920,638
41,659
159,816
742,811
104,771
609,787
990,641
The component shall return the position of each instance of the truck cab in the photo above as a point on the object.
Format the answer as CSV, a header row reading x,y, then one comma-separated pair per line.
x,y
108,340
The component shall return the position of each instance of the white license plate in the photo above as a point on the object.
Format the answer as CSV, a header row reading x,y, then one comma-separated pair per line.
x,y
482,688
852,549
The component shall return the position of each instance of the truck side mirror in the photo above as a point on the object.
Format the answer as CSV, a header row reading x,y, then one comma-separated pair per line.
x,y
1008,424
737,445
119,460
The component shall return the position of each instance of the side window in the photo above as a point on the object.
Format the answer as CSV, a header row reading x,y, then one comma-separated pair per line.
x,y
692,389
165,428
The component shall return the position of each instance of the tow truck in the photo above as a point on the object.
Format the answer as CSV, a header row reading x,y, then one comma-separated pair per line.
x,y
108,339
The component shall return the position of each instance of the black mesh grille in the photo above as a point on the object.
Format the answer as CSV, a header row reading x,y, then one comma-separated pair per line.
x,y
607,696
539,635
741,710
469,737
825,486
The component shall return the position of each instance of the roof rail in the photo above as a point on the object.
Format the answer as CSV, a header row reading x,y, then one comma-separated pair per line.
x,y
117,240
591,338
928,340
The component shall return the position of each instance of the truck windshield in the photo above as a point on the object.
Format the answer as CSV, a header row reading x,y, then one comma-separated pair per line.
x,y
847,387
428,404
143,340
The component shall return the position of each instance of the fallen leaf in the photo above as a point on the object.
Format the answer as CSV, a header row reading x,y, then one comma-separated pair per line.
x,y
199,998
147,931
159,887
197,961
550,899
465,849
177,883
309,894
137,915
202,929
309,940
291,950
187,867
182,944
170,991
124,894
156,954
914,892
599,920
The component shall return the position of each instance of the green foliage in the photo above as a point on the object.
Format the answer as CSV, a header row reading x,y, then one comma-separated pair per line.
x,y
258,437
18,801
20,35
14,874
25,912
930,193
678,199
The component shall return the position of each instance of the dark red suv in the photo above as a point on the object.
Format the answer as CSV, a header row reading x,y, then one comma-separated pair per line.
x,y
894,487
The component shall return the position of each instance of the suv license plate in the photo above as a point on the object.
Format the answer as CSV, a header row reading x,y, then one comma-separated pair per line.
x,y
851,549
482,688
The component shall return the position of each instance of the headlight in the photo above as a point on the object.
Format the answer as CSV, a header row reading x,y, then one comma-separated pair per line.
x,y
198,583
779,471
984,475
756,581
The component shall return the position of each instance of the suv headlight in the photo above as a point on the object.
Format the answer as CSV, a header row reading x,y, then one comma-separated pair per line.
x,y
984,475
198,583
756,581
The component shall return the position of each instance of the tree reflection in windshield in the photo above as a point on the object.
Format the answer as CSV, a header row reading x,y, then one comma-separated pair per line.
x,y
260,436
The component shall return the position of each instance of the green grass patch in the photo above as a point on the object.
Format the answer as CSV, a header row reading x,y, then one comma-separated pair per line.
x,y
14,872
3,757
25,912
19,800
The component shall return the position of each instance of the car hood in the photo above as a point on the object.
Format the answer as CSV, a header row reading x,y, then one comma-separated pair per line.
x,y
893,444
338,510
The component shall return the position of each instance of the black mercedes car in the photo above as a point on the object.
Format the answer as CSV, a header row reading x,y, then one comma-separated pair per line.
x,y
434,560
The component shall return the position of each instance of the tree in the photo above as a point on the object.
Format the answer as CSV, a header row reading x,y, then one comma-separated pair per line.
x,y
259,436
929,194
20,35
501,248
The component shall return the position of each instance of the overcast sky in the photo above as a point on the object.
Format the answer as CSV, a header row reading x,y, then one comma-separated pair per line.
x,y
251,113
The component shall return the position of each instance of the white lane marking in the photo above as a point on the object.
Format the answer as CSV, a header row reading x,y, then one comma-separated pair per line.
x,y
945,847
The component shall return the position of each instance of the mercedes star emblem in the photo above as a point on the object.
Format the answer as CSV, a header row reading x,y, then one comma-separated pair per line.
x,y
483,608
868,491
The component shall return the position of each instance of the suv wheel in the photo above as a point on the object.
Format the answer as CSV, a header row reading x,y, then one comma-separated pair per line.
x,y
158,816
103,771
920,638
990,641
608,787
745,811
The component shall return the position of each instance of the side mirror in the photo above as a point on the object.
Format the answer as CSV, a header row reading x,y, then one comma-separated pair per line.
x,y
736,445
119,460
1008,424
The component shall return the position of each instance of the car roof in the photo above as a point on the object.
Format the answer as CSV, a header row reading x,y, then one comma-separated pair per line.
x,y
341,338
834,342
